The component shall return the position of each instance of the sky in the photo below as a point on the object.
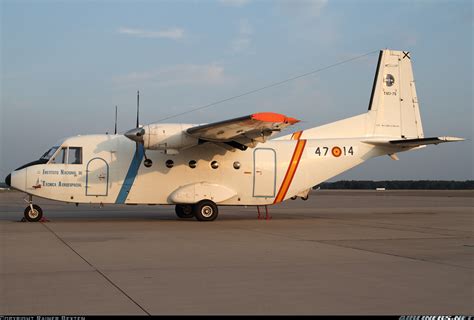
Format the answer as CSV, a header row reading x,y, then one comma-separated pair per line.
x,y
65,65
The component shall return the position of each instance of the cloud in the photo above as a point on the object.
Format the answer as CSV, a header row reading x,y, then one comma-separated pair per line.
x,y
307,8
245,28
185,74
240,44
171,33
243,40
234,3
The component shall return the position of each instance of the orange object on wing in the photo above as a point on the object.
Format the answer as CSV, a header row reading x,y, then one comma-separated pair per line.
x,y
273,117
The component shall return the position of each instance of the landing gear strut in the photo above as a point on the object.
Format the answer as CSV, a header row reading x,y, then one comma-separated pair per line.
x,y
33,212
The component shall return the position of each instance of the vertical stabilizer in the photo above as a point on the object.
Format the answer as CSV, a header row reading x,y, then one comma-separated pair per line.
x,y
393,107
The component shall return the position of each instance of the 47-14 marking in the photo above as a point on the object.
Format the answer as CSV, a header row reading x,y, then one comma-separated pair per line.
x,y
335,151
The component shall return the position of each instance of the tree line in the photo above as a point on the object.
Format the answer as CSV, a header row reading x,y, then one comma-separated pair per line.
x,y
399,184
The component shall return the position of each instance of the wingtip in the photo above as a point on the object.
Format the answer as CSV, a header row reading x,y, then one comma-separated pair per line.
x,y
273,117
452,139
292,120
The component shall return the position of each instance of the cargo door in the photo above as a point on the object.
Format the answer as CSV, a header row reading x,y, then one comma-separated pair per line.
x,y
97,178
264,172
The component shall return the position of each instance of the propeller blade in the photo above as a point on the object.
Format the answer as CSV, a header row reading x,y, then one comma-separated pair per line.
x,y
138,108
137,136
115,131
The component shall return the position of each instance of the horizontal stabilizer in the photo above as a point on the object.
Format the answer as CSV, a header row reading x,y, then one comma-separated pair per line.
x,y
412,143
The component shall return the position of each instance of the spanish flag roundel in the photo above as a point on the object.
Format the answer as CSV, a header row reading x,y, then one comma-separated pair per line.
x,y
336,151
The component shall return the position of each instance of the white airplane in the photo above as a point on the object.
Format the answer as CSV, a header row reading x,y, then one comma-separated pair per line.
x,y
232,162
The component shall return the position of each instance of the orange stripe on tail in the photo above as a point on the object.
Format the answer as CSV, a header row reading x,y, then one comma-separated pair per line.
x,y
296,135
290,173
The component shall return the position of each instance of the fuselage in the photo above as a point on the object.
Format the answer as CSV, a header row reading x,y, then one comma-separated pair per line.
x,y
109,169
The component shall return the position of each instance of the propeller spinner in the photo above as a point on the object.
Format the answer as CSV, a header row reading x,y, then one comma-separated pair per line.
x,y
135,134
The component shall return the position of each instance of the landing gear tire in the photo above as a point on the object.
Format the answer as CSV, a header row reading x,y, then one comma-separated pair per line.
x,y
184,211
34,215
305,198
205,210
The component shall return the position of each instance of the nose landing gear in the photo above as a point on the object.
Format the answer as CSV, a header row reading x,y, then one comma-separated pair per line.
x,y
33,212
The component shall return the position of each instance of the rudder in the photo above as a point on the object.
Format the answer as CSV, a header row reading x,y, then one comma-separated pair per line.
x,y
393,107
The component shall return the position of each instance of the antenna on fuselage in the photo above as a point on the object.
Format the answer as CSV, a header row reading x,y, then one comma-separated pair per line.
x,y
115,131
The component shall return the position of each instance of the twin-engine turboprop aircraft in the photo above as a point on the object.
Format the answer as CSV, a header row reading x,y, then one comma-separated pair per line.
x,y
232,162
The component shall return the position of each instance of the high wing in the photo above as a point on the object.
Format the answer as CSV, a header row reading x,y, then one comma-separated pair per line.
x,y
244,131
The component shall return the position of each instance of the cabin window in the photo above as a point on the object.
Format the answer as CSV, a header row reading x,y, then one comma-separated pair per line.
x,y
74,155
236,165
214,164
192,164
169,163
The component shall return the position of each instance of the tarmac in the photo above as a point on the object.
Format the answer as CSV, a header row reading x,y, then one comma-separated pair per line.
x,y
340,252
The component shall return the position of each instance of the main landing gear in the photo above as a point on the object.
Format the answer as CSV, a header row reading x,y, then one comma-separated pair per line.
x,y
184,211
204,210
33,212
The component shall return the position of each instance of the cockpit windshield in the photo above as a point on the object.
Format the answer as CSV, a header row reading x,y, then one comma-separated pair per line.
x,y
48,154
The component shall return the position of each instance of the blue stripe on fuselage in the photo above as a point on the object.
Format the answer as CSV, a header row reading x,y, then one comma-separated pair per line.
x,y
131,174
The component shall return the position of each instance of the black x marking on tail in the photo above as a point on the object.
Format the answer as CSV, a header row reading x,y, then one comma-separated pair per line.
x,y
406,55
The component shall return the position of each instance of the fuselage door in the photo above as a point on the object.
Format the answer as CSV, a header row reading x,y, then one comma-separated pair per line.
x,y
97,179
264,172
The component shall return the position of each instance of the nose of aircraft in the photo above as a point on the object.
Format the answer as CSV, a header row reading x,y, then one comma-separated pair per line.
x,y
8,180
17,179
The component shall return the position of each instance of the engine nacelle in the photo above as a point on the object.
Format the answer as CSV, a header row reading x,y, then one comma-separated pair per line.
x,y
167,136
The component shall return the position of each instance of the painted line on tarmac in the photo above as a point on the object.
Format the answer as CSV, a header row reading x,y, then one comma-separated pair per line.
x,y
95,269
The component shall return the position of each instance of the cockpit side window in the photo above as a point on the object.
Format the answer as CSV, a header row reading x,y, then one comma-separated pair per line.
x,y
74,155
61,157
48,154
66,155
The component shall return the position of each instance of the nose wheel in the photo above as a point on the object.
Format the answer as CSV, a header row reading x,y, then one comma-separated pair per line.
x,y
33,213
